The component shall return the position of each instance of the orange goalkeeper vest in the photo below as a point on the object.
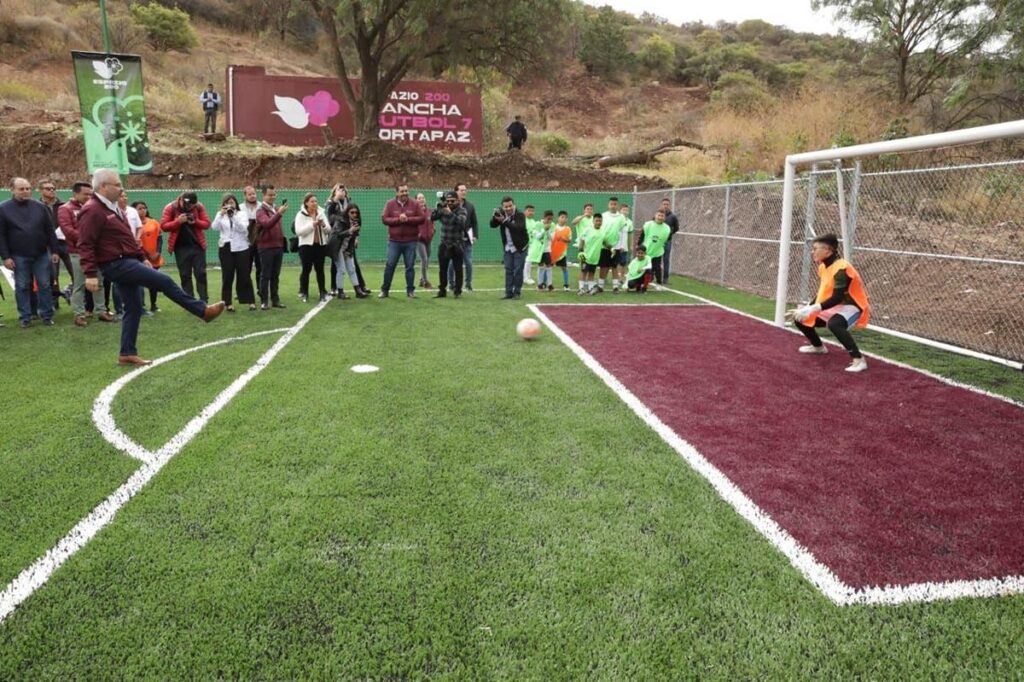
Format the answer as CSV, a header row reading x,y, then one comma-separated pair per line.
x,y
857,292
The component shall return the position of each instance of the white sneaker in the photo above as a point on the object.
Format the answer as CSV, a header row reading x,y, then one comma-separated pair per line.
x,y
529,281
813,350
857,365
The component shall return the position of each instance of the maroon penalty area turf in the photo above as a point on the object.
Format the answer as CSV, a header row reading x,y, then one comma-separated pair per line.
x,y
889,477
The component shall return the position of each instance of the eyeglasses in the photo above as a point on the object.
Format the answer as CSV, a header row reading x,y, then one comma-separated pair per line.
x,y
48,189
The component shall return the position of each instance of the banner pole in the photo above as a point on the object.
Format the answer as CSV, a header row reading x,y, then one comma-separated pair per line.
x,y
106,29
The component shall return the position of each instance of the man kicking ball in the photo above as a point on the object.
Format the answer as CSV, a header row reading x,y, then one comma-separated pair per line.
x,y
841,303
107,245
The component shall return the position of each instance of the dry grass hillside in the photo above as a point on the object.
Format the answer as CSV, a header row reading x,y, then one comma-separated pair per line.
x,y
573,113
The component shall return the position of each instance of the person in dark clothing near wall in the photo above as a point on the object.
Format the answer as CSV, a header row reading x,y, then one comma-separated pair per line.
x,y
270,242
186,219
454,223
511,225
28,246
673,226
210,101
516,132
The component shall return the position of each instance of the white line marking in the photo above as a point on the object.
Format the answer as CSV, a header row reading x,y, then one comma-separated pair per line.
x,y
101,411
36,575
817,573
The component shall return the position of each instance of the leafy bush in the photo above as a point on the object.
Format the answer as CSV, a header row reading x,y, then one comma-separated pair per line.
x,y
658,56
168,29
741,92
553,144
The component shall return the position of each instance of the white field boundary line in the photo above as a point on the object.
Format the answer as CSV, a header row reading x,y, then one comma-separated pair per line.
x,y
103,418
815,572
36,575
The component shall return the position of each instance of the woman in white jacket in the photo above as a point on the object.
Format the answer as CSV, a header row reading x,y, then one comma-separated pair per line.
x,y
313,231
233,250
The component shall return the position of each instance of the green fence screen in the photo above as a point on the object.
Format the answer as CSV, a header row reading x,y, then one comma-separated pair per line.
x,y
373,242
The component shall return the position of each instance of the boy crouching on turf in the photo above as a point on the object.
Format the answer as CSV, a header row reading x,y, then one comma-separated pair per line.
x,y
638,275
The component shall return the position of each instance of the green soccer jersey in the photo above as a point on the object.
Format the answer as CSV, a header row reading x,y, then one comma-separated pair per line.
x,y
655,236
637,267
613,224
593,242
538,238
582,226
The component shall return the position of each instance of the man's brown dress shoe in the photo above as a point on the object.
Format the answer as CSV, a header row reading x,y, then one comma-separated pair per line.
x,y
132,360
212,311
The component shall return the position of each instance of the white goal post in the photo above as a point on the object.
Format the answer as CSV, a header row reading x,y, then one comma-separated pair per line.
x,y
875,149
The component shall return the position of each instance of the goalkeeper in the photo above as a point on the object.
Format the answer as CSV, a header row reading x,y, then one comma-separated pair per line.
x,y
841,303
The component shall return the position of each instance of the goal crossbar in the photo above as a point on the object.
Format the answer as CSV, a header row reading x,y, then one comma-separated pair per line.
x,y
793,161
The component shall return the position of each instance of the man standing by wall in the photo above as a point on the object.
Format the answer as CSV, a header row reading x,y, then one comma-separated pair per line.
x,y
403,217
108,244
28,246
472,234
185,218
673,226
511,224
210,100
48,195
516,132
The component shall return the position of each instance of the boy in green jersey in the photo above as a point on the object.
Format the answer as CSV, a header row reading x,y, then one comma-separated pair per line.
x,y
544,271
653,236
531,225
582,222
638,274
591,243
612,256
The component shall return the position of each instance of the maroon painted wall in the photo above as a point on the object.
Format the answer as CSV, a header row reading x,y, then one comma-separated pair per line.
x,y
291,109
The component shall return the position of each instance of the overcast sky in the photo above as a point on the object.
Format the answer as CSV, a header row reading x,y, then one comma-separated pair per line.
x,y
796,14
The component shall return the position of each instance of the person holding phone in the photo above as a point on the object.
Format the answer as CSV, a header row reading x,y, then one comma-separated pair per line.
x,y
312,230
345,228
270,243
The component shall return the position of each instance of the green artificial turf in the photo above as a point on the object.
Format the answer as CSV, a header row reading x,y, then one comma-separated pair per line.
x,y
480,508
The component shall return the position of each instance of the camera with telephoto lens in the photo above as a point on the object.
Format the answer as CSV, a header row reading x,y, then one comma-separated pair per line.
x,y
440,200
230,211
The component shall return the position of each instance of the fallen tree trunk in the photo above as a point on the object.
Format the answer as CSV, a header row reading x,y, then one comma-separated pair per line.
x,y
642,157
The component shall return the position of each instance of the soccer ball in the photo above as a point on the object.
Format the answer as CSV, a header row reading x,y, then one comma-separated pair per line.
x,y
528,328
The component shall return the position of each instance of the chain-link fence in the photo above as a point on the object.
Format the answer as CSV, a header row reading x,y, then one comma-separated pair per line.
x,y
941,249
373,241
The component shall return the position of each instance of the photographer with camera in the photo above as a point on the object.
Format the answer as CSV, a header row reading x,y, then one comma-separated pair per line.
x,y
344,239
185,218
511,224
233,251
454,223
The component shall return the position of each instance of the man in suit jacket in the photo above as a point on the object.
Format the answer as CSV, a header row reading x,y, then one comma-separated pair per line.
x,y
511,224
107,245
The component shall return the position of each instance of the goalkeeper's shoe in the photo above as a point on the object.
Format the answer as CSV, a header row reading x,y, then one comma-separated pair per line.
x,y
857,365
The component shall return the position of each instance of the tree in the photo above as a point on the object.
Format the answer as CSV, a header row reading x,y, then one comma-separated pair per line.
x,y
390,37
659,56
925,39
167,28
604,50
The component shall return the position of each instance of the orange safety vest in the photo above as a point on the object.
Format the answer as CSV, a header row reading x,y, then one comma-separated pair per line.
x,y
558,248
857,292
149,233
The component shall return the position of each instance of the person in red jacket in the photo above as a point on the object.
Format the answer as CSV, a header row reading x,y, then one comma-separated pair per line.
x,y
185,218
270,245
403,216
67,219
107,245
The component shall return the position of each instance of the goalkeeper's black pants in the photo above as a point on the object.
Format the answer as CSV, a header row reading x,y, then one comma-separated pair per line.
x,y
839,328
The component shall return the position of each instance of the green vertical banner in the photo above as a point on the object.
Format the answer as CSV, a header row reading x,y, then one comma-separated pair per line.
x,y
113,112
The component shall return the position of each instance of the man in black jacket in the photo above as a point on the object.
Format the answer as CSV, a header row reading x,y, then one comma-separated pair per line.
x,y
454,223
511,224
28,246
472,234
673,226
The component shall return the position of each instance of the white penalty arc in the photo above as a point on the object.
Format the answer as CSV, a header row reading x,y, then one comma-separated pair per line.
x,y
36,575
